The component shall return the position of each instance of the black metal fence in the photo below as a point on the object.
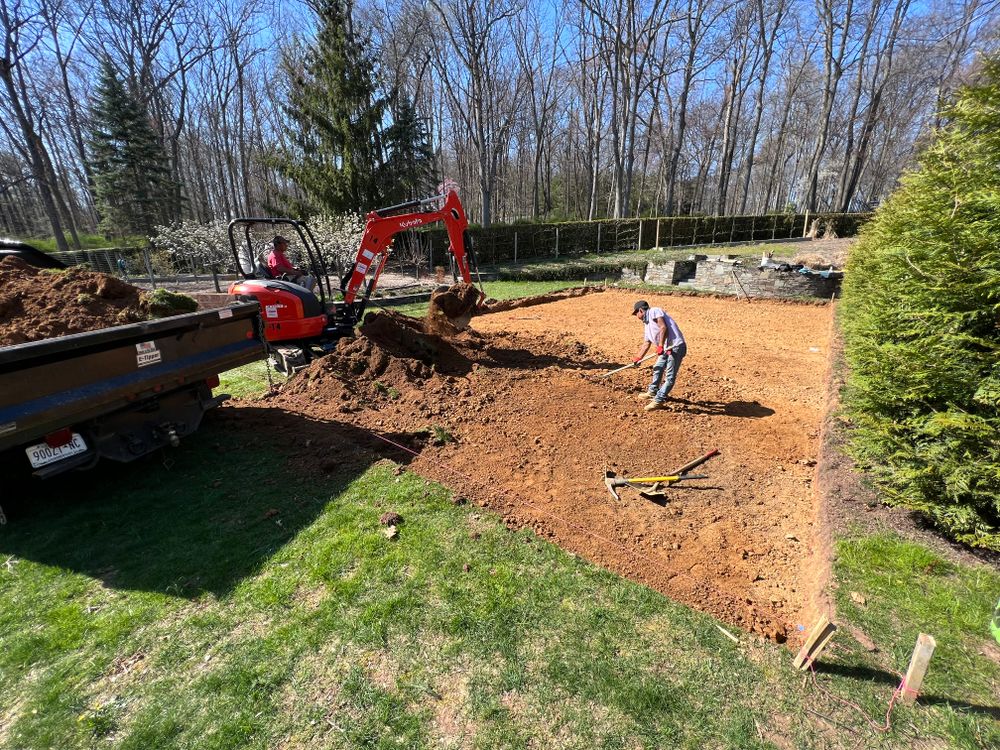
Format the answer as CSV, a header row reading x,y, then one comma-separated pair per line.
x,y
419,252
517,242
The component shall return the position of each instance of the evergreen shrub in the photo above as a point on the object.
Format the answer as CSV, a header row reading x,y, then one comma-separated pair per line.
x,y
921,313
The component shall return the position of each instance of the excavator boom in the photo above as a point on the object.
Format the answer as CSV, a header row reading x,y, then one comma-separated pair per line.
x,y
381,228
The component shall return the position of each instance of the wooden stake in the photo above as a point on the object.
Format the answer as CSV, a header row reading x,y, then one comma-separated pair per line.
x,y
820,635
918,667
726,633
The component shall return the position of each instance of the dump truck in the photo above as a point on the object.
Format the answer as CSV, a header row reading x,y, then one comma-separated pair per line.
x,y
118,393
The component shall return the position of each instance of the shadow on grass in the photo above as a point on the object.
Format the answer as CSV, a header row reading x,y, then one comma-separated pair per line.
x,y
199,518
869,675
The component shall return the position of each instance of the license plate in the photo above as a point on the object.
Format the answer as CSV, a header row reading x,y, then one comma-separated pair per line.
x,y
43,454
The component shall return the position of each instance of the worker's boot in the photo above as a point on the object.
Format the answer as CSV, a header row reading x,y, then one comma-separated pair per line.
x,y
645,396
653,406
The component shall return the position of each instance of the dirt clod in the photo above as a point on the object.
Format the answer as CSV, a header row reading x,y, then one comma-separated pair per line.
x,y
451,309
390,519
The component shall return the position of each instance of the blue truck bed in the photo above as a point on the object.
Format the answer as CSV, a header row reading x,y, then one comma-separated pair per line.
x,y
119,392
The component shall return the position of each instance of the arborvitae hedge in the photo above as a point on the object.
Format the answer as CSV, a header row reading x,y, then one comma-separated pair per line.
x,y
922,325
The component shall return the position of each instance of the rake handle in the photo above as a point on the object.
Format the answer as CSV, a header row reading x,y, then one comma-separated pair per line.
x,y
652,480
627,367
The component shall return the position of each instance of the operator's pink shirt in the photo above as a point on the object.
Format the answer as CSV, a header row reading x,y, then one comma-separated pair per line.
x,y
277,263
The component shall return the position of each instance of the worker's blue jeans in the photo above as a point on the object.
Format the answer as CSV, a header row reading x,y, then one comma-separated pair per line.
x,y
665,373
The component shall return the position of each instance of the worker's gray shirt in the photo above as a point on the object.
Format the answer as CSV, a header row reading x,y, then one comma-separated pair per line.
x,y
674,336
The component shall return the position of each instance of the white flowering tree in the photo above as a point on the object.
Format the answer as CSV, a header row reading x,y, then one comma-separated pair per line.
x,y
204,245
207,245
338,237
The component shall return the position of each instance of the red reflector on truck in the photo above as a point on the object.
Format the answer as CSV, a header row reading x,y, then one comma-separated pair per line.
x,y
212,382
59,438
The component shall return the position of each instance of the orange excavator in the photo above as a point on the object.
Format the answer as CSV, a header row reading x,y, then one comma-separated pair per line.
x,y
298,323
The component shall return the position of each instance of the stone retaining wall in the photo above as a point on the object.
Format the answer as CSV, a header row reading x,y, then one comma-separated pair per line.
x,y
715,276
721,277
669,273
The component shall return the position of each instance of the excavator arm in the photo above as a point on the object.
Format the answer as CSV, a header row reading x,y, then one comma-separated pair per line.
x,y
380,229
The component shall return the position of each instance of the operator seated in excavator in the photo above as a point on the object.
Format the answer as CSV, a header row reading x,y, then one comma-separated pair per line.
x,y
279,267
302,321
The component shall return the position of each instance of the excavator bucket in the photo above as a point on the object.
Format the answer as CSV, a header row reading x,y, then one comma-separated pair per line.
x,y
451,308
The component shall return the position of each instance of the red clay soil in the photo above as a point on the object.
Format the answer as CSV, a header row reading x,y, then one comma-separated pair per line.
x,y
450,310
36,304
534,430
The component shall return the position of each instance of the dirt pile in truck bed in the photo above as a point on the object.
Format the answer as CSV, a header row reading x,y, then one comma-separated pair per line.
x,y
38,304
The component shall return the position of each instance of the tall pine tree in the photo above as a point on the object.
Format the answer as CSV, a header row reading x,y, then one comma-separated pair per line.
x,y
408,171
343,152
335,118
132,181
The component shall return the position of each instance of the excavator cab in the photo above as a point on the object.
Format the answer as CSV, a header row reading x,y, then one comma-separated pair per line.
x,y
295,318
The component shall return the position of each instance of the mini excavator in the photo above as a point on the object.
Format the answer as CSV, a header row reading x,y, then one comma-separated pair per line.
x,y
298,323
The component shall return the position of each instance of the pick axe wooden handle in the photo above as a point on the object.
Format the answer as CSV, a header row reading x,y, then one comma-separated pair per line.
x,y
697,462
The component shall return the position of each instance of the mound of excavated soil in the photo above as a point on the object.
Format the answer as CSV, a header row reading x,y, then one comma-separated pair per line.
x,y
395,354
494,306
37,304
524,427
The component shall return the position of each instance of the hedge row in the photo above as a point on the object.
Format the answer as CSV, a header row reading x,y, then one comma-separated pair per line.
x,y
516,242
922,328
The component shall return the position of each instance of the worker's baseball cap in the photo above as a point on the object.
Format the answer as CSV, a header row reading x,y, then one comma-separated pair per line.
x,y
640,305
279,240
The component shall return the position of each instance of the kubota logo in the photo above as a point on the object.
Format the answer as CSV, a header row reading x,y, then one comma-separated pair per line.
x,y
409,223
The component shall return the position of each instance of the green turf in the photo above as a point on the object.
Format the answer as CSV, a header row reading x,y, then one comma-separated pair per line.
x,y
88,242
216,597
496,290
249,381
901,589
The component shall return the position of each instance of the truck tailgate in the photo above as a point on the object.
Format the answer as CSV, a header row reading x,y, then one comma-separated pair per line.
x,y
48,385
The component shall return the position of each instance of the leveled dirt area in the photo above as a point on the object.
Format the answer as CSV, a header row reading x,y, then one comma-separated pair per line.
x,y
525,427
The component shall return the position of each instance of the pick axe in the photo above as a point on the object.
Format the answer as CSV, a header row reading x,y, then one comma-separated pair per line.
x,y
650,488
648,485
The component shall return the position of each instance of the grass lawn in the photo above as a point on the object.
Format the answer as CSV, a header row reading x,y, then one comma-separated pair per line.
x,y
88,241
494,290
205,600
249,380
